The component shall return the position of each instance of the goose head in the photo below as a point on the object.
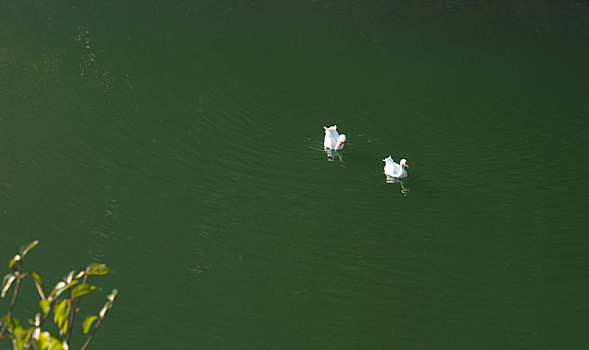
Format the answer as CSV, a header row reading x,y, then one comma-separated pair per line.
x,y
340,142
404,163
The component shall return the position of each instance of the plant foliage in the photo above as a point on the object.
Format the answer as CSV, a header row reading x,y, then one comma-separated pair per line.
x,y
62,301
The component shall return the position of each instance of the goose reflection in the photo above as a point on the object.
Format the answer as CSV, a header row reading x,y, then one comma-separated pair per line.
x,y
333,155
402,183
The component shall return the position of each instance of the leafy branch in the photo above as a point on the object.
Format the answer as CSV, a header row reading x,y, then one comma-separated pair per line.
x,y
65,309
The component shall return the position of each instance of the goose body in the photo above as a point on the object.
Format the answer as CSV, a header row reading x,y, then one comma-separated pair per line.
x,y
395,170
333,140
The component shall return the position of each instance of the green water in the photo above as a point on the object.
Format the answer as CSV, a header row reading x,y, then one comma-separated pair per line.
x,y
180,142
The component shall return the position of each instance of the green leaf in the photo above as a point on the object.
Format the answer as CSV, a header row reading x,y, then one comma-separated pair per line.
x,y
70,276
44,305
13,324
25,250
61,287
61,312
97,269
22,337
43,341
48,341
88,323
19,336
6,282
82,289
14,260
38,284
112,295
109,303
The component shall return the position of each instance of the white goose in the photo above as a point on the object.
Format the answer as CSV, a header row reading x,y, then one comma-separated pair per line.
x,y
333,140
395,170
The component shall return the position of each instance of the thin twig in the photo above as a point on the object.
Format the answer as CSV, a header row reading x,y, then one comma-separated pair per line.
x,y
92,334
13,300
30,343
98,323
73,314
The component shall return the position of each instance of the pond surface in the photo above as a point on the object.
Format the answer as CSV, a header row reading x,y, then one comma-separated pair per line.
x,y
181,143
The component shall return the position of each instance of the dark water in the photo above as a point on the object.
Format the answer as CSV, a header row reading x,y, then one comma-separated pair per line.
x,y
180,142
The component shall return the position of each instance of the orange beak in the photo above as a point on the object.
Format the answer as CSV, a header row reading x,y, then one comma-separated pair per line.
x,y
406,165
